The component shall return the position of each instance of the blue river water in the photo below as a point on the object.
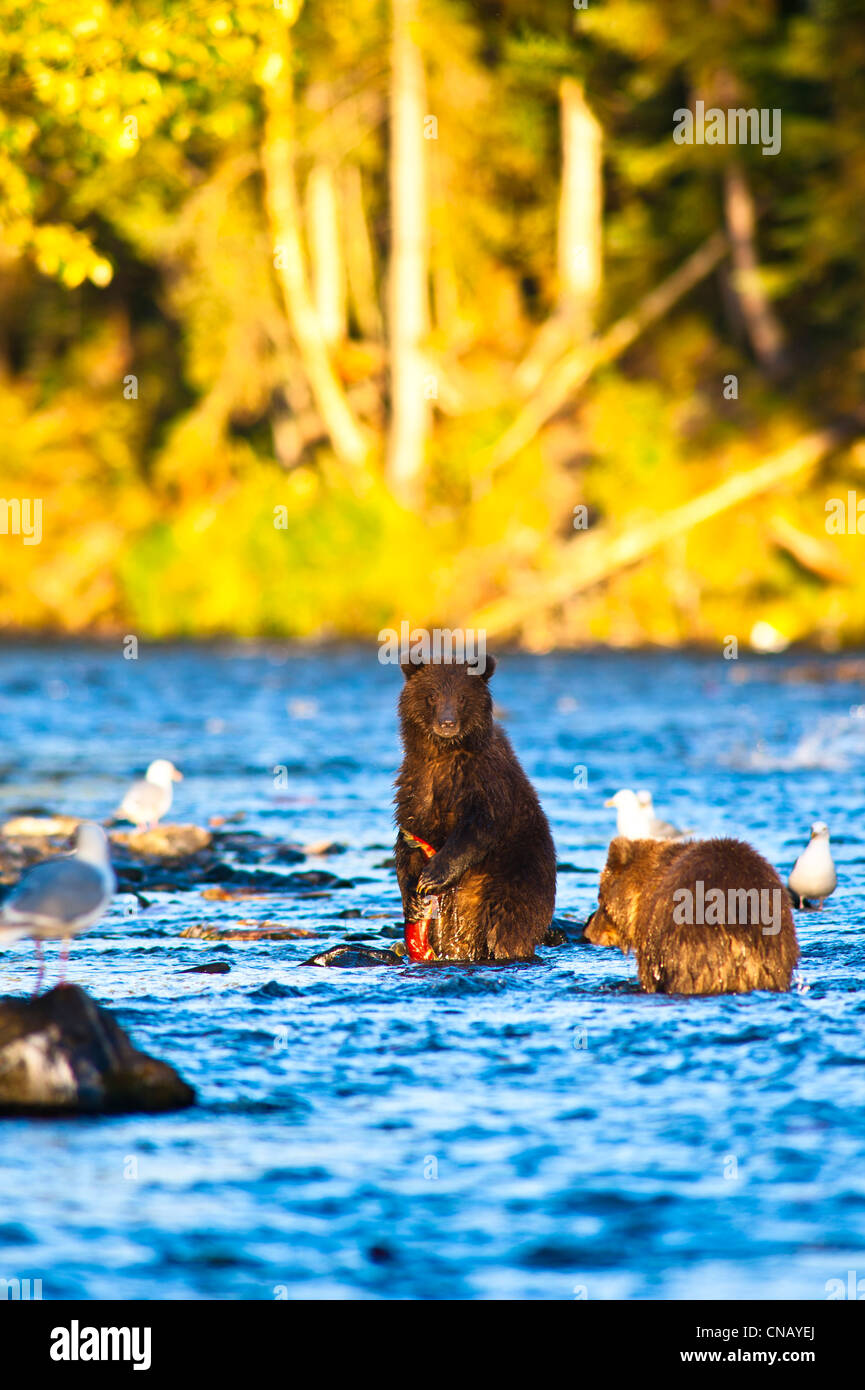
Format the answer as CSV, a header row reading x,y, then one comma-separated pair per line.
x,y
524,1132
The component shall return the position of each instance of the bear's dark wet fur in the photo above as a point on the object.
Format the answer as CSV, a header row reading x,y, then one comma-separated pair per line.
x,y
637,910
461,789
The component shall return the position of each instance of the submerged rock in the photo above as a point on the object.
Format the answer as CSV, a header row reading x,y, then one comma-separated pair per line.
x,y
62,1054
27,840
32,827
259,880
562,932
317,878
353,957
164,841
210,967
232,895
252,848
246,931
173,858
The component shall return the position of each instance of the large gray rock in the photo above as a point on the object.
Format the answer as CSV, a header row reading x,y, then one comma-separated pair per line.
x,y
61,1053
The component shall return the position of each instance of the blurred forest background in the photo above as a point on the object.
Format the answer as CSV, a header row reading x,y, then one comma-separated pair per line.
x,y
317,317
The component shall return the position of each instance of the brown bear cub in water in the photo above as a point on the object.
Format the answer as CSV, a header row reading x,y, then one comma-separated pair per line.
x,y
706,917
472,832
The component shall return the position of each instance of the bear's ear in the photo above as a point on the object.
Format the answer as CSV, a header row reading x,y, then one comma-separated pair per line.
x,y
488,668
411,668
620,853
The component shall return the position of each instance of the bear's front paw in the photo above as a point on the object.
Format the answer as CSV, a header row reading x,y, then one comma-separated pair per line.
x,y
434,879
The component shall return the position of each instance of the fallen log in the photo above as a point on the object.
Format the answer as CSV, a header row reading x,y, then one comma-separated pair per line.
x,y
573,371
597,556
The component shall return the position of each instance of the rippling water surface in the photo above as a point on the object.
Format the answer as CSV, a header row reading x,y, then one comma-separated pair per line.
x,y
518,1132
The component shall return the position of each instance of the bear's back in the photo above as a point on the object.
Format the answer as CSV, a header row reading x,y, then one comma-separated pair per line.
x,y
751,946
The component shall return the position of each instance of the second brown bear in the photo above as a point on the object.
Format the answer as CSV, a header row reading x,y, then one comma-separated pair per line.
x,y
706,917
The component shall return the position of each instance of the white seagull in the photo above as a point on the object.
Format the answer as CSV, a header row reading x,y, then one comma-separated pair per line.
x,y
61,897
813,875
630,815
148,800
658,829
636,819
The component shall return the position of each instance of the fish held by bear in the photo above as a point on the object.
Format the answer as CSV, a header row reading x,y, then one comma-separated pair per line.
x,y
474,855
710,917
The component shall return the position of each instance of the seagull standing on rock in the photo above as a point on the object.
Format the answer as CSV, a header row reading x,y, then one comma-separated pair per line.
x,y
148,800
813,875
61,897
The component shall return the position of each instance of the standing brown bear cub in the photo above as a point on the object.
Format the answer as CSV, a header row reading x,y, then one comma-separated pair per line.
x,y
472,832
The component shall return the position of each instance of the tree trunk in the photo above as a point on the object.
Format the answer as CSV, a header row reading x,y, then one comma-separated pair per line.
x,y
359,257
277,157
762,325
580,210
325,247
580,237
408,289
722,87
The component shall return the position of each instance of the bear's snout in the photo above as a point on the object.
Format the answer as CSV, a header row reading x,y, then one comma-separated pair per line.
x,y
446,720
446,728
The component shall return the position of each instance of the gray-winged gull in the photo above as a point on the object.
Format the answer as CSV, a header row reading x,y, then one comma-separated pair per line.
x,y
61,897
658,829
636,819
148,800
813,875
